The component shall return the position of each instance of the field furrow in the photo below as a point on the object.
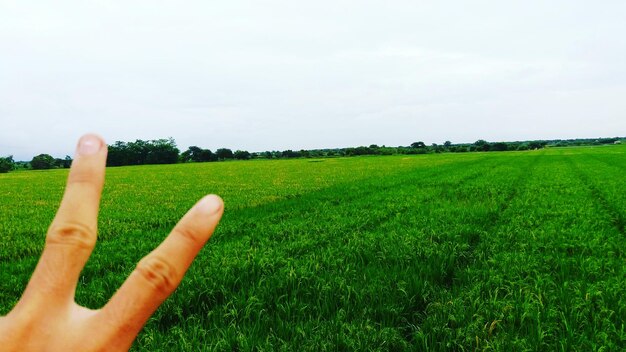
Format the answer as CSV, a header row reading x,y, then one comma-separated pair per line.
x,y
481,251
603,182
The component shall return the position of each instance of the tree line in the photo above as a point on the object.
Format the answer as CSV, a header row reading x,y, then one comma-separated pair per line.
x,y
39,162
165,151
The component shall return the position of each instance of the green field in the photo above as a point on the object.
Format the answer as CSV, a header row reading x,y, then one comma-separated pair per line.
x,y
477,251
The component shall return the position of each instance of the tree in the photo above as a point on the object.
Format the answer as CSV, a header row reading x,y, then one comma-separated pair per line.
x,y
418,145
206,155
158,151
161,151
63,163
436,148
6,164
224,153
386,151
137,152
198,154
481,145
290,154
362,150
118,154
42,162
499,147
241,155
447,144
187,155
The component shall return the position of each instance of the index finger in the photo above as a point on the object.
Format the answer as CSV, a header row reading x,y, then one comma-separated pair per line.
x,y
72,235
81,200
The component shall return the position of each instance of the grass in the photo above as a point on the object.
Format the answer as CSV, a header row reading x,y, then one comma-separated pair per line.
x,y
481,251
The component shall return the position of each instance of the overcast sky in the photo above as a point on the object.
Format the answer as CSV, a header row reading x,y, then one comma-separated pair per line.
x,y
266,75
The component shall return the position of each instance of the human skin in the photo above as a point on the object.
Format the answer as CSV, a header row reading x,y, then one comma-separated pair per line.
x,y
46,318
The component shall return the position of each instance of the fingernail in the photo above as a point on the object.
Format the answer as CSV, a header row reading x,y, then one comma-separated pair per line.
x,y
210,204
89,145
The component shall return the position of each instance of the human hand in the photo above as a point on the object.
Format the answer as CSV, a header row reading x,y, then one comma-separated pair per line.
x,y
47,319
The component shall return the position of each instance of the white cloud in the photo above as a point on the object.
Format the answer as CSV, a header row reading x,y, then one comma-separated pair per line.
x,y
278,74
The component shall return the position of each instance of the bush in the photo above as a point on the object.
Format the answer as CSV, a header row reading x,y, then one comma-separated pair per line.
x,y
42,162
6,164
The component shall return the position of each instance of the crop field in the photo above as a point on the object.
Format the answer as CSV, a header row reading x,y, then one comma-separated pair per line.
x,y
504,251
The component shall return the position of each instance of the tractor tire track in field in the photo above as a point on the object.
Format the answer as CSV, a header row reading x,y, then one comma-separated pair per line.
x,y
374,221
304,204
299,207
606,162
380,221
617,219
326,195
464,259
454,279
520,182
497,217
